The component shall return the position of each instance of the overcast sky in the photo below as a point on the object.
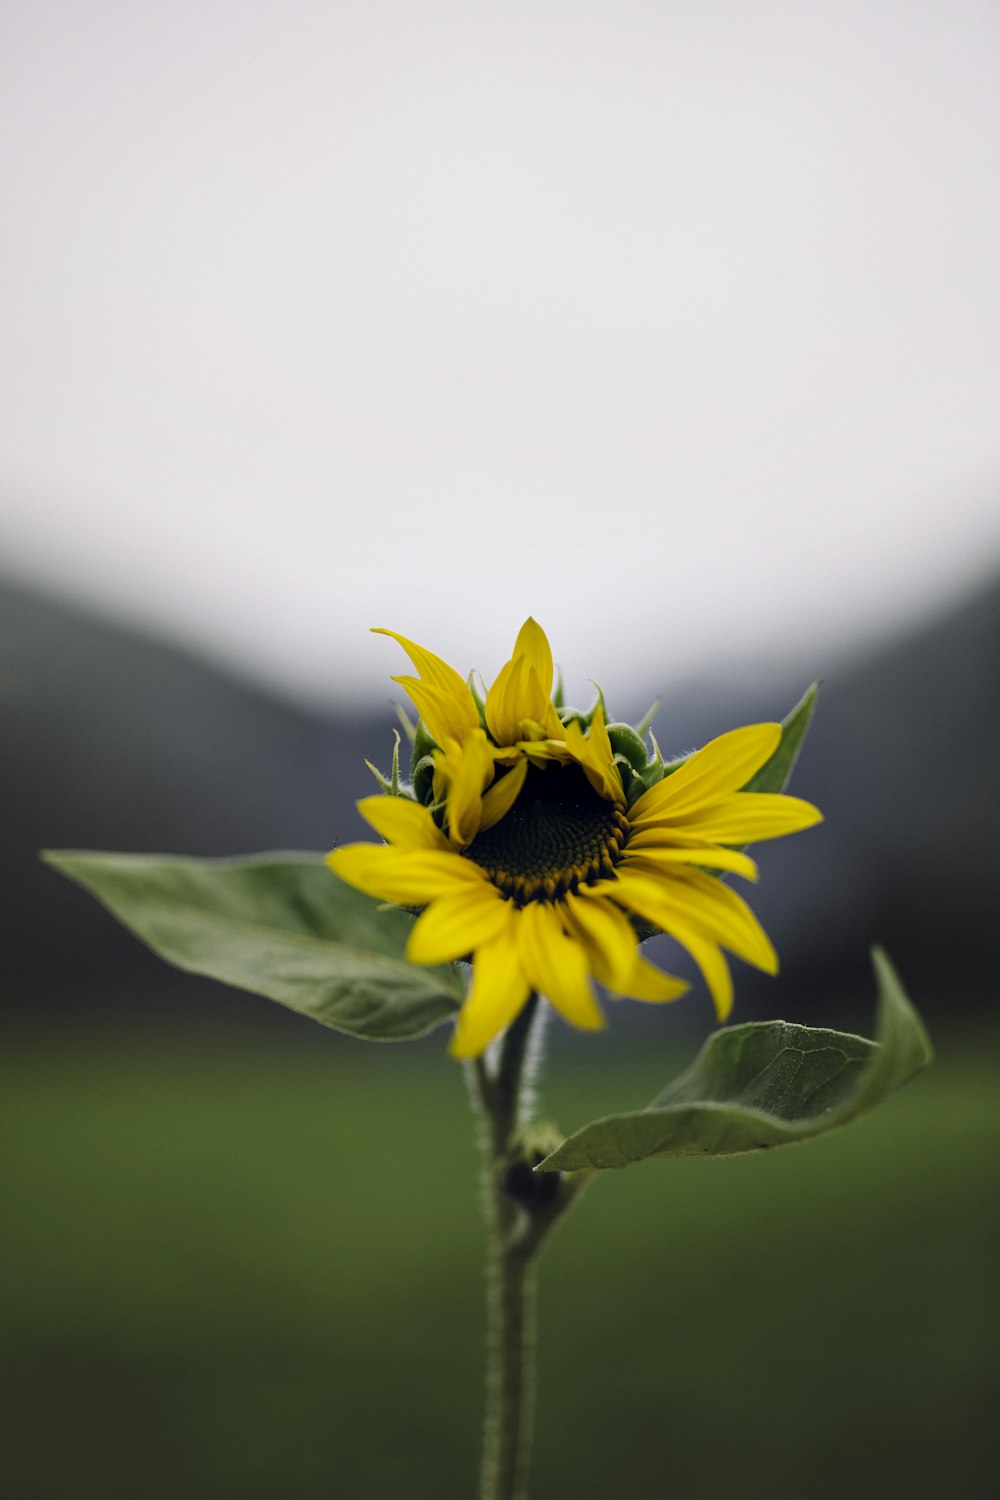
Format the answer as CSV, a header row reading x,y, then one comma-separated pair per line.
x,y
675,324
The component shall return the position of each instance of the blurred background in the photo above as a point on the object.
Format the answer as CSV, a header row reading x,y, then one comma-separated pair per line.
x,y
677,327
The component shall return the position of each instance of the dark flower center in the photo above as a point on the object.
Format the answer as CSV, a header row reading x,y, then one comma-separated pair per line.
x,y
559,834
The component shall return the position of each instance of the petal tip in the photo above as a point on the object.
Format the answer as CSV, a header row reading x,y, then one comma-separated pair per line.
x,y
466,1048
723,1010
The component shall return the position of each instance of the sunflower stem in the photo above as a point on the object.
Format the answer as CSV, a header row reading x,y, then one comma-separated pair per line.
x,y
521,1208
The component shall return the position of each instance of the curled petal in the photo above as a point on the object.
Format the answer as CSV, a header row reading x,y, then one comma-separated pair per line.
x,y
445,716
462,772
433,671
502,795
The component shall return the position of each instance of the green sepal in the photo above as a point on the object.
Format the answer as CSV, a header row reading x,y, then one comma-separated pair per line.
x,y
409,728
653,772
423,779
645,724
422,746
625,741
581,716
478,697
280,925
764,1084
598,703
390,786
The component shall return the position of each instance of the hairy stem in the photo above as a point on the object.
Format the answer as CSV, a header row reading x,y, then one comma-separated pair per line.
x,y
510,1377
520,1209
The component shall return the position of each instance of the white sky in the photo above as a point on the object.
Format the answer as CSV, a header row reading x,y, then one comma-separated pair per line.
x,y
675,324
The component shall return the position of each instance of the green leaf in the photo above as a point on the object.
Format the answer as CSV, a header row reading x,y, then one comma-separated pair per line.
x,y
280,925
767,1083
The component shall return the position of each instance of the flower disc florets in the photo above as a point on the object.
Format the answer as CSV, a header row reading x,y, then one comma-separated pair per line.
x,y
535,842
559,834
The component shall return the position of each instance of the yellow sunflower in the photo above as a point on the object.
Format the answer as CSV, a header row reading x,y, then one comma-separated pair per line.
x,y
537,850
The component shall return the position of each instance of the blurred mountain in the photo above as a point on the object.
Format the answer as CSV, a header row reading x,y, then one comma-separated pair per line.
x,y
118,741
905,762
113,740
903,757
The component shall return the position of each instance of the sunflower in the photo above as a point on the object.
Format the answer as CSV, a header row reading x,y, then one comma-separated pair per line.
x,y
541,843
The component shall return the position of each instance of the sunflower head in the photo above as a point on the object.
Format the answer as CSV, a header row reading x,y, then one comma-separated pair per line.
x,y
538,842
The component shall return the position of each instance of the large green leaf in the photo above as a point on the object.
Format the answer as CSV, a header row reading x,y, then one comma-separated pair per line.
x,y
280,925
767,1083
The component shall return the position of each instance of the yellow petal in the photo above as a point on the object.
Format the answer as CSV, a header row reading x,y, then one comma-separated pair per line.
x,y
457,924
541,718
408,877
498,992
540,751
730,920
441,697
635,894
403,823
556,965
606,777
712,963
533,732
653,856
532,644
461,774
502,795
594,754
648,983
444,716
435,672
694,901
502,703
723,766
749,817
612,949
608,938
517,707
523,689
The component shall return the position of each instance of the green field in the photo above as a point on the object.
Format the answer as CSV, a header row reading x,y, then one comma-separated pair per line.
x,y
250,1270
